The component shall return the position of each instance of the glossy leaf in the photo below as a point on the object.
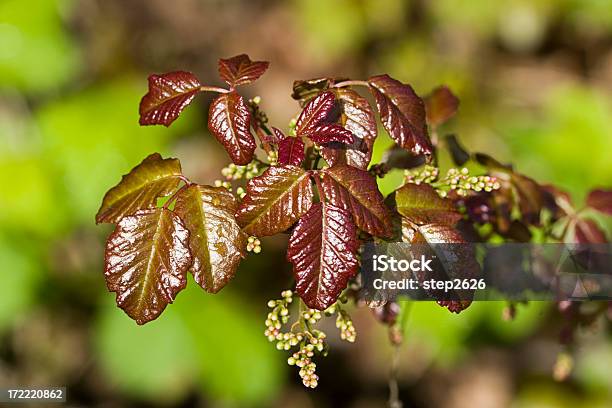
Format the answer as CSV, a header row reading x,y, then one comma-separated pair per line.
x,y
140,188
355,190
422,205
440,106
168,95
358,118
322,249
146,262
315,112
588,232
291,151
240,70
304,90
600,200
216,241
329,133
456,261
229,120
275,200
402,114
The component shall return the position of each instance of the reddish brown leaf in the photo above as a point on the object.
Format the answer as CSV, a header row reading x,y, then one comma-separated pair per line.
x,y
275,200
355,190
322,249
456,261
600,200
291,151
422,205
328,133
358,118
229,120
167,97
240,70
315,112
402,114
440,105
216,241
304,90
140,188
146,262
588,232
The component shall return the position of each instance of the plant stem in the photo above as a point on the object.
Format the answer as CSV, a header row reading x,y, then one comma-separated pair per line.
x,y
177,192
205,88
351,83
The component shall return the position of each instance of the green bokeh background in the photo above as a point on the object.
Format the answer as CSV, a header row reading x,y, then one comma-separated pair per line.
x,y
535,83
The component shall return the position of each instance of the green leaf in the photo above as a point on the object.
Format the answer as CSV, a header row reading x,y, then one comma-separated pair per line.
x,y
140,188
216,241
275,200
146,262
355,190
422,205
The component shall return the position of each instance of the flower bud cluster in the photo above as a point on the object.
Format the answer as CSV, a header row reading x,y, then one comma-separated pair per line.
x,y
273,157
292,125
347,329
234,172
278,316
240,192
258,115
225,184
303,359
426,174
253,245
462,182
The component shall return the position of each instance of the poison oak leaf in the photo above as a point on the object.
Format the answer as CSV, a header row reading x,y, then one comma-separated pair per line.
x,y
146,262
358,118
588,232
329,133
168,95
229,120
275,200
322,249
140,188
422,205
315,112
454,259
240,70
402,113
355,190
440,105
216,242
291,151
600,200
305,90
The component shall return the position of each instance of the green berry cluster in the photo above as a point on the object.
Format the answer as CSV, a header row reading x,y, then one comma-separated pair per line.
x,y
253,245
292,125
234,172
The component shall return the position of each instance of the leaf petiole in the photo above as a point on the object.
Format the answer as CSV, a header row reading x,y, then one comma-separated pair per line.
x,y
205,88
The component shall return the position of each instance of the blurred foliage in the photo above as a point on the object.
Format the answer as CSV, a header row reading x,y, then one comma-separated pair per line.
x,y
534,82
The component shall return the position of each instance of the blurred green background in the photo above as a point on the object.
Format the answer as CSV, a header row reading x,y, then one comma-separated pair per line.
x,y
535,83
